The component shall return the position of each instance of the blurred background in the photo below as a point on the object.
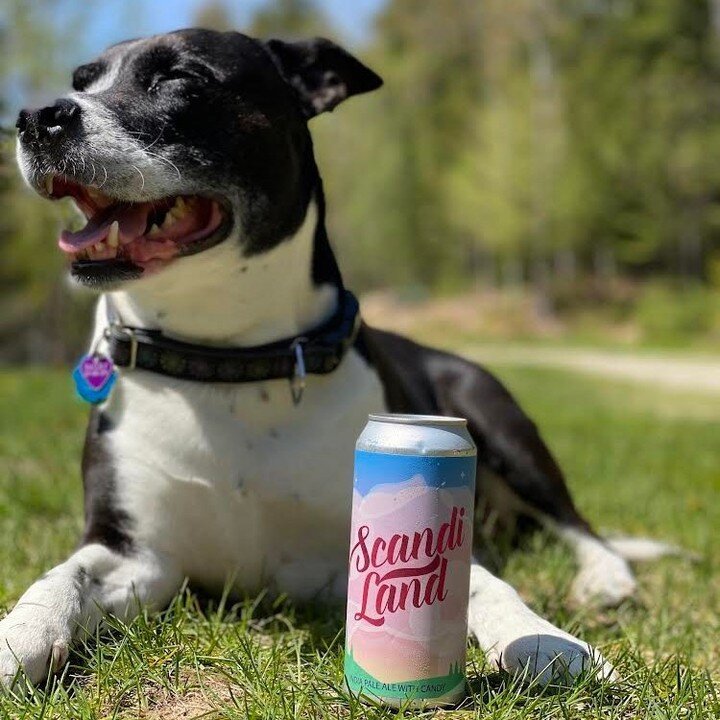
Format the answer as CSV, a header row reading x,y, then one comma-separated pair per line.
x,y
533,170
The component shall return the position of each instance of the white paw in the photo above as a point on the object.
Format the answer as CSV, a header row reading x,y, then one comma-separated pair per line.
x,y
521,643
549,656
32,646
605,580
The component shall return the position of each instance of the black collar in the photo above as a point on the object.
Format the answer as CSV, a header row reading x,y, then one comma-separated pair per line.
x,y
318,352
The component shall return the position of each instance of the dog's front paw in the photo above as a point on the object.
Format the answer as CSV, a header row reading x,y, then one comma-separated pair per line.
x,y
30,649
519,642
550,656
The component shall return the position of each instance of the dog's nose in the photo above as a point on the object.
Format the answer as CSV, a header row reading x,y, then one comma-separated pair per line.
x,y
49,121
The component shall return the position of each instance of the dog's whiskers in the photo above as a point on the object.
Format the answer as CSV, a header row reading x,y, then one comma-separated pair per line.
x,y
167,161
142,177
159,135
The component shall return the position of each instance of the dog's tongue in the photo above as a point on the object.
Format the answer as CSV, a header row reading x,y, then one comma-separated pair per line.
x,y
132,219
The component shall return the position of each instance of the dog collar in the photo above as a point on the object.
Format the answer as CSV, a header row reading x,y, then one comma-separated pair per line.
x,y
317,352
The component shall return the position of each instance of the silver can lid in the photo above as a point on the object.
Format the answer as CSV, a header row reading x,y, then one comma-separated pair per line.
x,y
407,419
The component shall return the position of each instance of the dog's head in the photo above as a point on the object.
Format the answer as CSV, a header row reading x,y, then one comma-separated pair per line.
x,y
172,144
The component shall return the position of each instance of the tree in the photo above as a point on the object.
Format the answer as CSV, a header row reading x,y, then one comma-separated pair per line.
x,y
289,19
214,15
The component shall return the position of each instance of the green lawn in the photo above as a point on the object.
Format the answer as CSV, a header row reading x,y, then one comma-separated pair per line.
x,y
639,461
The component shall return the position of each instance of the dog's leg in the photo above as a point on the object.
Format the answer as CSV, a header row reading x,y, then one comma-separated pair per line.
x,y
510,446
520,642
68,602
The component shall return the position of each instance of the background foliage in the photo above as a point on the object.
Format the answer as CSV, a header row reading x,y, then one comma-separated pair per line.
x,y
561,147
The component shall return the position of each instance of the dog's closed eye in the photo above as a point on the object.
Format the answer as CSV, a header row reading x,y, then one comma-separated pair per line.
x,y
195,76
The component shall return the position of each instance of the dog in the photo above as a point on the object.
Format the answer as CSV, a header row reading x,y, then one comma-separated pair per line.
x,y
190,158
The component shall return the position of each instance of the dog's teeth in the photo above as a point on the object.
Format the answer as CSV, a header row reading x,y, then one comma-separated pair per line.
x,y
154,230
168,221
112,238
49,184
91,252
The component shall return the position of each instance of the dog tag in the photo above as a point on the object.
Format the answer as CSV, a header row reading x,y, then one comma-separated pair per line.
x,y
94,377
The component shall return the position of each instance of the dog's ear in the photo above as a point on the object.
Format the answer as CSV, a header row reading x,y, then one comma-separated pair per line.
x,y
321,72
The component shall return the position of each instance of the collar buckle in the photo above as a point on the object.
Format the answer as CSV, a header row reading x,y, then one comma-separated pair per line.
x,y
297,381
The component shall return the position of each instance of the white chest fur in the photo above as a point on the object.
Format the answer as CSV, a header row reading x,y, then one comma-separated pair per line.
x,y
236,481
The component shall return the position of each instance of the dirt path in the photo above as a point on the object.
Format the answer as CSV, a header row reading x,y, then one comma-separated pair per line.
x,y
701,373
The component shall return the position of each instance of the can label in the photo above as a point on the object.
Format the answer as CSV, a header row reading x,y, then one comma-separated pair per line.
x,y
410,553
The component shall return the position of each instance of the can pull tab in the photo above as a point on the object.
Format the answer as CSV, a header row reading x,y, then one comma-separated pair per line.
x,y
297,381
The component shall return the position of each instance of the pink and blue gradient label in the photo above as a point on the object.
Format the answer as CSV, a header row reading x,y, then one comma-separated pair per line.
x,y
409,573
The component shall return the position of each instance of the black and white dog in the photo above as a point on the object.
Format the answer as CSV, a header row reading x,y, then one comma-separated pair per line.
x,y
190,157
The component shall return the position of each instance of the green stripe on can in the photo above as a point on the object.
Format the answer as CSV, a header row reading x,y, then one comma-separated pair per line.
x,y
360,682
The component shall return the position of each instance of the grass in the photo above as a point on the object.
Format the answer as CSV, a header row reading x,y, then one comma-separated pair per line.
x,y
633,467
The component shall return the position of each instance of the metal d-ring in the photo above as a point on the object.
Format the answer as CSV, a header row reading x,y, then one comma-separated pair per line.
x,y
130,333
297,381
95,347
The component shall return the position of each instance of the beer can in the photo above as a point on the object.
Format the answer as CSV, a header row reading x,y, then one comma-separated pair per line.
x,y
409,564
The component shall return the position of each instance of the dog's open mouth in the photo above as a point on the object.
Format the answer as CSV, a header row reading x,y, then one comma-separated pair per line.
x,y
128,239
